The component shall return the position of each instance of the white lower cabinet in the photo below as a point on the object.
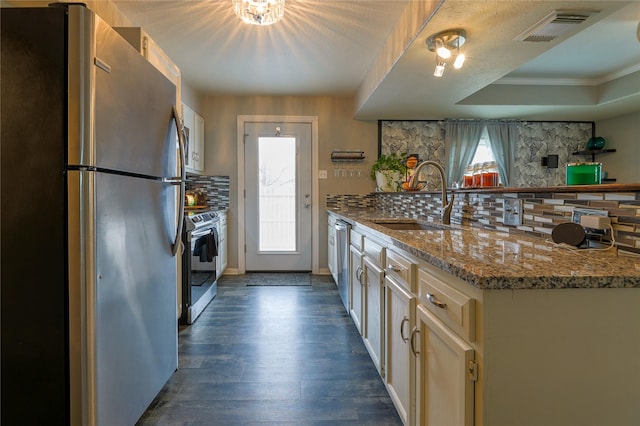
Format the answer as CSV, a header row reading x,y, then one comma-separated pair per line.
x,y
445,373
332,251
357,288
374,313
446,370
456,355
400,363
221,260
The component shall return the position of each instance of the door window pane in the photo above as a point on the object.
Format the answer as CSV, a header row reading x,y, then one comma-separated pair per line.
x,y
277,194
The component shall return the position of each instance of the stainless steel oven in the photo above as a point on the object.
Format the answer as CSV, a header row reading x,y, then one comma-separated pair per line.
x,y
199,285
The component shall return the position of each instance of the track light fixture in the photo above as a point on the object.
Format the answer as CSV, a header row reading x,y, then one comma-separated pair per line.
x,y
444,44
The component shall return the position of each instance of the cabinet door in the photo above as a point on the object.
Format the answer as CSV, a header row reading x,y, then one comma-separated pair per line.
x,y
374,313
188,116
148,48
164,64
224,252
357,289
221,260
445,371
194,132
198,143
332,254
400,363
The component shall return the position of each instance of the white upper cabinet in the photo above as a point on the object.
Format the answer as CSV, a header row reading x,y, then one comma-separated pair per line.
x,y
194,131
139,39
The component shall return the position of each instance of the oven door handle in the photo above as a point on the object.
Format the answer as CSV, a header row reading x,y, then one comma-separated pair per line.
x,y
201,233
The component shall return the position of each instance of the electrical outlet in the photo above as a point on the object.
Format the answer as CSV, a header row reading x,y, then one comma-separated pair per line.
x,y
512,214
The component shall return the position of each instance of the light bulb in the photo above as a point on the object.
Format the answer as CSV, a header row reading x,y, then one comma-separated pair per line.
x,y
439,69
443,52
457,64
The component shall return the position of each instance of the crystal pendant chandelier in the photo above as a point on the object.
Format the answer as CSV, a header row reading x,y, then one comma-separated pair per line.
x,y
259,12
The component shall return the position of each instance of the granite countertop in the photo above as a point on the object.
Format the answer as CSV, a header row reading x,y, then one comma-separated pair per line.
x,y
490,259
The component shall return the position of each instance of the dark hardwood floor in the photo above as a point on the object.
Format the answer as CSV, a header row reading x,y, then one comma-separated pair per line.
x,y
273,355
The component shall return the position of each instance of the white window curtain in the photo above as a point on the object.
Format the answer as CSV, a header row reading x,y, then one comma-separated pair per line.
x,y
461,139
502,138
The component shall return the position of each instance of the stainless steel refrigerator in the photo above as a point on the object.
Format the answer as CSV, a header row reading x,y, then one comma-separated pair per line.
x,y
90,219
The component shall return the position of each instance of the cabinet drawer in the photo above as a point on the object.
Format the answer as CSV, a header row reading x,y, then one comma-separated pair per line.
x,y
375,251
456,309
356,239
402,268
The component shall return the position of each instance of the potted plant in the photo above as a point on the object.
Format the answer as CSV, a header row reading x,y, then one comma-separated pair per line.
x,y
388,171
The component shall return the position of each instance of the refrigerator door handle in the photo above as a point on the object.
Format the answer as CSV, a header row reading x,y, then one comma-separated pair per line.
x,y
181,181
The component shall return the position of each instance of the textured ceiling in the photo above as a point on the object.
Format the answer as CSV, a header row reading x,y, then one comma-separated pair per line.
x,y
375,51
320,47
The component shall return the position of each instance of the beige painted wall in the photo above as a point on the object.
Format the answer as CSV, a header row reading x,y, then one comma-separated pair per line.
x,y
336,130
192,98
623,134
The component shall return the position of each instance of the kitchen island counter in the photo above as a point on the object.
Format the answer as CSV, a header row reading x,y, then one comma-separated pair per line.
x,y
488,259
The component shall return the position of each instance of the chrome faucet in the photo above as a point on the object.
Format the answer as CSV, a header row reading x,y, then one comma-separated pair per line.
x,y
446,205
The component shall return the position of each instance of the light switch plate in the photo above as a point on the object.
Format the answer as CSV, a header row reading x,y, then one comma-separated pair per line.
x,y
512,214
322,174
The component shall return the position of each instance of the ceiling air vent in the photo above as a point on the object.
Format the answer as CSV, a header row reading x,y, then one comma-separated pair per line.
x,y
553,25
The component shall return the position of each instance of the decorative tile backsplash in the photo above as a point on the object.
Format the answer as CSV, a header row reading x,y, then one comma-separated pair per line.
x,y
216,189
535,140
348,201
542,211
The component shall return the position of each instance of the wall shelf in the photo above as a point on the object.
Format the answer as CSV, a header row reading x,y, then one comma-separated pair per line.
x,y
347,156
593,152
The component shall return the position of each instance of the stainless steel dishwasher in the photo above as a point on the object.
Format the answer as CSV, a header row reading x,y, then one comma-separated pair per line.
x,y
342,248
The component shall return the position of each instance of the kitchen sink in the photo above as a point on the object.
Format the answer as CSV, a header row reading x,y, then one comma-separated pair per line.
x,y
410,225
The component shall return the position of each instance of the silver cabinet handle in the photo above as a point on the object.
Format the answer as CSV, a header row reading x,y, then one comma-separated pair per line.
x,y
359,272
413,336
395,268
404,339
432,299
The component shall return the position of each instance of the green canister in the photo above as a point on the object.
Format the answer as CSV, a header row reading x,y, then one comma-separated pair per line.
x,y
584,173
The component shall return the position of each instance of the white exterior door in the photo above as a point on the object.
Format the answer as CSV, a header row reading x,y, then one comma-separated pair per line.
x,y
278,214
